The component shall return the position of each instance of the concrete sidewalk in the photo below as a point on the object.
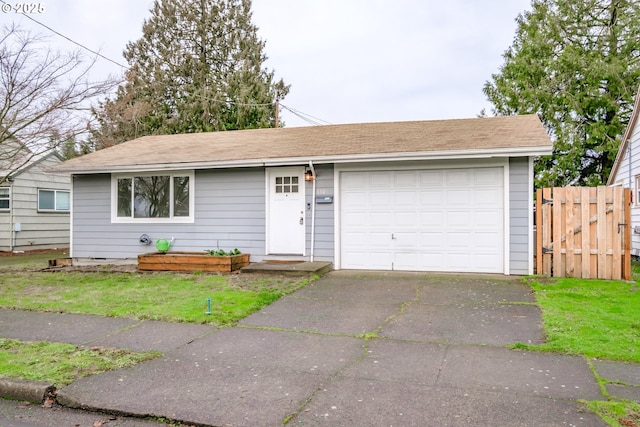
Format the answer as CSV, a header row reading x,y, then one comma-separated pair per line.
x,y
374,349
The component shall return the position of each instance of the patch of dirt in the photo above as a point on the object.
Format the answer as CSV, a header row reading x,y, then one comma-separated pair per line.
x,y
33,252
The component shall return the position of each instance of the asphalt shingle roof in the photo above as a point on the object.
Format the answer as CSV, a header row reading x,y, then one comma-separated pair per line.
x,y
508,133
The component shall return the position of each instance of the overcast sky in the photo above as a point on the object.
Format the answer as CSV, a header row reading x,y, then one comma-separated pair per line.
x,y
347,61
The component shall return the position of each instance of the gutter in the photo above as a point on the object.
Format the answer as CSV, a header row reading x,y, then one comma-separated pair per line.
x,y
12,232
294,161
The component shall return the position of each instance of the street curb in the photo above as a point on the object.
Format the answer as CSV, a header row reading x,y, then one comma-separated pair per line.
x,y
30,391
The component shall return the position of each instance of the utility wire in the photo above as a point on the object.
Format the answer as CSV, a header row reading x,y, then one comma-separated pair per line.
x,y
72,41
304,116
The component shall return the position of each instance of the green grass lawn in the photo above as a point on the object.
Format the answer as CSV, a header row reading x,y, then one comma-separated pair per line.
x,y
170,297
594,318
61,364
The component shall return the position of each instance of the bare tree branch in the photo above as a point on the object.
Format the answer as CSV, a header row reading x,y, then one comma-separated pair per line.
x,y
45,98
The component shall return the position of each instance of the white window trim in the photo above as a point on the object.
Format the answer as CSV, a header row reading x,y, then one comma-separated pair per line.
x,y
173,220
8,198
55,200
636,193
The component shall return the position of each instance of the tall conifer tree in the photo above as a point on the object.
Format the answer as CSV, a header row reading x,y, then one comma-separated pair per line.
x,y
197,68
576,63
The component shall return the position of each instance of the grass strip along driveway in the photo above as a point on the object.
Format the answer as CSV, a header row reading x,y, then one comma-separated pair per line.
x,y
168,297
158,296
598,319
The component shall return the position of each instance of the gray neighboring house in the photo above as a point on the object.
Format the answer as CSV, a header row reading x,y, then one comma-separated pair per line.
x,y
445,195
35,205
626,173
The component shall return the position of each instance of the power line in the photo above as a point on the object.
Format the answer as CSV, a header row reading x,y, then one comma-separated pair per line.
x,y
72,41
306,117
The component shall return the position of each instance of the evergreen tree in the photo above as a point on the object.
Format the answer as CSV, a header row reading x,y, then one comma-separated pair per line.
x,y
197,68
576,64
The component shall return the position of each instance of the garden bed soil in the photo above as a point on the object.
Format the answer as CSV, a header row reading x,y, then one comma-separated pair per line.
x,y
191,261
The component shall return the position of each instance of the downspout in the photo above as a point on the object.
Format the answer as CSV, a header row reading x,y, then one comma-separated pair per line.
x,y
313,210
12,232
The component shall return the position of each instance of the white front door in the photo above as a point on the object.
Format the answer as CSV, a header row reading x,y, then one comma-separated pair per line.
x,y
285,211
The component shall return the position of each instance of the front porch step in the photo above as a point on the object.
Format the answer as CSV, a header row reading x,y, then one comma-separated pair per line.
x,y
288,269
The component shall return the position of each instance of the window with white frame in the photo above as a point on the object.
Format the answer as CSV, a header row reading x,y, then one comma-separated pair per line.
x,y
54,200
4,198
166,197
636,194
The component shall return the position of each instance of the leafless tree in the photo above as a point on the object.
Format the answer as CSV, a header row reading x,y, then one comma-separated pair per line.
x,y
44,97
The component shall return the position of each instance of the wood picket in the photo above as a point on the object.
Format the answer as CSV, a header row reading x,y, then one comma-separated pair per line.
x,y
583,232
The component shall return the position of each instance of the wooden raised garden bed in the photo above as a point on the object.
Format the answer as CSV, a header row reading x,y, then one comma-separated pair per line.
x,y
191,261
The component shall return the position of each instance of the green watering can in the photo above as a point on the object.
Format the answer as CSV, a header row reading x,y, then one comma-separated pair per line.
x,y
162,245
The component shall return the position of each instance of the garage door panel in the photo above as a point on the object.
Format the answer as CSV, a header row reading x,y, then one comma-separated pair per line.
x,y
432,219
457,241
406,198
429,220
486,197
377,240
458,262
380,260
380,219
487,176
354,200
404,240
355,180
458,178
405,179
380,180
456,219
459,198
406,219
380,199
430,241
430,198
354,239
354,219
487,240
491,219
431,179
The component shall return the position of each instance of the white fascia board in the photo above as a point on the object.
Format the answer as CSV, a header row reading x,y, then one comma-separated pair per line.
x,y
349,158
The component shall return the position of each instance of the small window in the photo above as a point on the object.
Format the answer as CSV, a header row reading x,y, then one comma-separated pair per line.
x,y
637,192
148,197
286,184
4,198
54,200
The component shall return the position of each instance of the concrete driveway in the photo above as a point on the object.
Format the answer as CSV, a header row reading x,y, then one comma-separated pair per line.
x,y
356,348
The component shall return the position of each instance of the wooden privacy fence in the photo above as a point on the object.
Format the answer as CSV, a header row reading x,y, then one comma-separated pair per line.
x,y
583,232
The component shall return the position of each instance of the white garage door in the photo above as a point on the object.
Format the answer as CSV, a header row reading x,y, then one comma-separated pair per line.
x,y
423,220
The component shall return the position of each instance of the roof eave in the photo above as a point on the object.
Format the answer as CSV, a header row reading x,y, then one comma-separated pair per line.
x,y
348,158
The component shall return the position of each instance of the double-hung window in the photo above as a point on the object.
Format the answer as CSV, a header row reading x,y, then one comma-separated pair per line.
x,y
4,198
160,197
54,200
